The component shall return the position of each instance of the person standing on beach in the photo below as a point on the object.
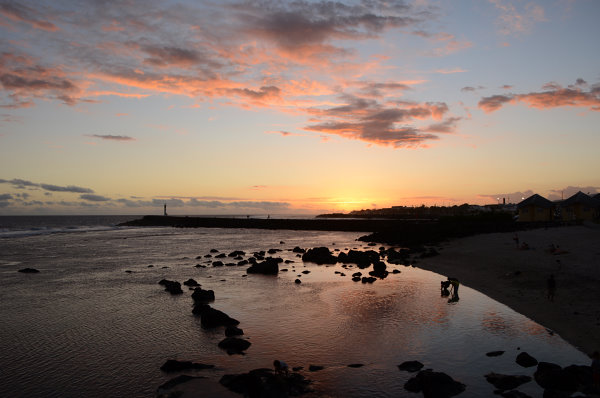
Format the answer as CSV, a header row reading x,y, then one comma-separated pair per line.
x,y
551,285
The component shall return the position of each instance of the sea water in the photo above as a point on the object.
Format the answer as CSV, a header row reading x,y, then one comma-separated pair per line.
x,y
94,322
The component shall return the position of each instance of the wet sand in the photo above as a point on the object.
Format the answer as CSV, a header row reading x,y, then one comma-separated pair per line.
x,y
493,265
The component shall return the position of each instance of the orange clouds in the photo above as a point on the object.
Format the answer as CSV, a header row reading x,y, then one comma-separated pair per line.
x,y
555,96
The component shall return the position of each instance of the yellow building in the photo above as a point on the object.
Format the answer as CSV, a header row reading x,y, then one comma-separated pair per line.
x,y
535,208
579,207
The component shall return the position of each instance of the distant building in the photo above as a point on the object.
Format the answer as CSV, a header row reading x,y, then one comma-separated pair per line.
x,y
579,207
535,208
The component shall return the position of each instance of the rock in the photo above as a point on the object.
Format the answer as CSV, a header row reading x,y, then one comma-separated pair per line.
x,y
368,279
243,262
494,353
514,394
526,361
211,317
506,382
214,251
319,255
126,271
173,365
202,296
306,272
297,281
191,282
552,377
356,365
217,263
411,366
176,381
233,345
29,271
268,267
379,270
265,383
356,279
360,258
172,287
236,253
273,251
434,384
298,250
231,331
221,255
315,368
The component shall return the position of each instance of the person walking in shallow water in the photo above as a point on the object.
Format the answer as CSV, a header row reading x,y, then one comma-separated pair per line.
x,y
551,286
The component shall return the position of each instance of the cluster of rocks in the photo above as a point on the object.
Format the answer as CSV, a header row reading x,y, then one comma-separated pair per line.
x,y
266,383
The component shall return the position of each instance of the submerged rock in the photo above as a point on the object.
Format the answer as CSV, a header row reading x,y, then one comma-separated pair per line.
x,y
29,271
411,366
526,360
506,382
211,317
172,287
202,296
320,256
434,384
173,365
266,383
234,345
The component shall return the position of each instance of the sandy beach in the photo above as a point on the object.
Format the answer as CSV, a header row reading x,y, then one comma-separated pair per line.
x,y
493,265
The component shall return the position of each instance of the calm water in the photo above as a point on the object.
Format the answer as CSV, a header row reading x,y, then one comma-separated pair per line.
x,y
85,327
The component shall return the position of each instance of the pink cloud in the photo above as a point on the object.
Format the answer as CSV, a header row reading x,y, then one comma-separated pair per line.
x,y
22,13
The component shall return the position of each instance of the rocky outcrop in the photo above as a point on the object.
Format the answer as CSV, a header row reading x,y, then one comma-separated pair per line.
x,y
172,287
434,384
379,270
173,365
212,318
552,377
320,256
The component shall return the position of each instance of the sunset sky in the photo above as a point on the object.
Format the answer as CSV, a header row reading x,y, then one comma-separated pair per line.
x,y
273,107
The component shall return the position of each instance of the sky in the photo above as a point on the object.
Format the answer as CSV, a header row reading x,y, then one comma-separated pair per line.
x,y
295,107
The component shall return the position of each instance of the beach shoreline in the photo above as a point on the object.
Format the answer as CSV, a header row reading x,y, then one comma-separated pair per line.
x,y
495,266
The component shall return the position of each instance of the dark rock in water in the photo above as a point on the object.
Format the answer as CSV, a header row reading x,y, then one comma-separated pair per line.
x,y
411,366
212,318
214,251
233,345
356,365
126,271
176,381
231,331
236,253
29,271
356,279
221,255
298,250
379,270
514,394
359,274
434,384
506,382
208,256
306,272
396,271
552,377
217,264
265,383
173,365
361,259
202,296
368,279
172,287
191,282
242,263
494,353
151,266
273,251
395,257
526,360
319,255
297,281
268,267
315,368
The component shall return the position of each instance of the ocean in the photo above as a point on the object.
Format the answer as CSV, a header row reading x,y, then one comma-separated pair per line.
x,y
95,322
